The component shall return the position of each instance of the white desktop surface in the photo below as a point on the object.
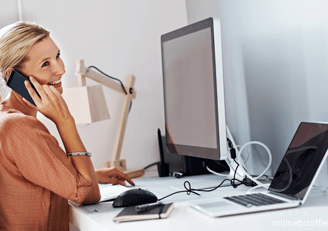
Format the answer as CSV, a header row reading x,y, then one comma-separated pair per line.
x,y
312,214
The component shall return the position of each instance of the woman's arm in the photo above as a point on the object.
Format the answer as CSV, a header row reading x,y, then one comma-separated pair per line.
x,y
82,164
52,105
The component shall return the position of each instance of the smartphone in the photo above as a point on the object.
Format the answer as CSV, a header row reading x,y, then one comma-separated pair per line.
x,y
16,82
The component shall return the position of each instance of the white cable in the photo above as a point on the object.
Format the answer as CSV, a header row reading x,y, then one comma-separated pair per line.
x,y
246,173
240,161
258,186
266,148
246,158
216,173
325,190
252,178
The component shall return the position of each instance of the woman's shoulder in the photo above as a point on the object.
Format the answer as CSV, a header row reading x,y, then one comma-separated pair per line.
x,y
11,119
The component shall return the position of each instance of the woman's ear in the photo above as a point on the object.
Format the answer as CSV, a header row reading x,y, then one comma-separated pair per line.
x,y
9,70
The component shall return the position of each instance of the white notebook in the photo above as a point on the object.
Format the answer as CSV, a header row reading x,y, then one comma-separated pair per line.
x,y
111,192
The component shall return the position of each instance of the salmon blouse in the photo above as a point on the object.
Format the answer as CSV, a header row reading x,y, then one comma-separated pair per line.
x,y
36,177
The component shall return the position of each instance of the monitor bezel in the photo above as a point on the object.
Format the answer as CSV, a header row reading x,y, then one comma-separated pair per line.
x,y
219,153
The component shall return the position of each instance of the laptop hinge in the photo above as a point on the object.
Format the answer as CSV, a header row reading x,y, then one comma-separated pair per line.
x,y
289,197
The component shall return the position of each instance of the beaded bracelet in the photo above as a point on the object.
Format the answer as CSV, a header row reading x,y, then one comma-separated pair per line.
x,y
79,154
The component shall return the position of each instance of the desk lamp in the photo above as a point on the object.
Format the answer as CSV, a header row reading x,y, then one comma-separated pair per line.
x,y
87,104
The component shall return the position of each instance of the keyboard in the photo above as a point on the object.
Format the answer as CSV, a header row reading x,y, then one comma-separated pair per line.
x,y
256,199
100,207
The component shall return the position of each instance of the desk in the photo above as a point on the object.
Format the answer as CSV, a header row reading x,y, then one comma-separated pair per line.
x,y
184,217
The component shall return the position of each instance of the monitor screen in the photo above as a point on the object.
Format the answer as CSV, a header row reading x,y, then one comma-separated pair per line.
x,y
193,90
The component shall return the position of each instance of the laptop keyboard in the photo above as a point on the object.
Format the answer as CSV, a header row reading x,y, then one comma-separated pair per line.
x,y
256,199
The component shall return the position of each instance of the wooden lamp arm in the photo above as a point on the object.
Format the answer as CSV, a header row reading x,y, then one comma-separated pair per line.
x,y
123,120
82,73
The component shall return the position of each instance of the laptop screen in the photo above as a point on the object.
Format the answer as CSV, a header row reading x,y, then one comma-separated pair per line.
x,y
302,160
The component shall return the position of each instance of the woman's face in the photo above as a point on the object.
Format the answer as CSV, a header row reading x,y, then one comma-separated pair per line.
x,y
45,64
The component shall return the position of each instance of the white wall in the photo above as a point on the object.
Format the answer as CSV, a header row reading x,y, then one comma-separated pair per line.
x,y
120,38
276,56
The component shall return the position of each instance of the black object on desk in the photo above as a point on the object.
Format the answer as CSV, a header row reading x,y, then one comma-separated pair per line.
x,y
134,197
162,167
174,164
130,214
145,207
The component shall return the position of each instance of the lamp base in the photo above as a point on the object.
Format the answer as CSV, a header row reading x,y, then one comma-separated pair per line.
x,y
135,173
119,164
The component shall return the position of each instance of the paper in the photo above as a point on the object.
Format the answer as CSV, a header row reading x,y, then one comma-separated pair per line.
x,y
111,192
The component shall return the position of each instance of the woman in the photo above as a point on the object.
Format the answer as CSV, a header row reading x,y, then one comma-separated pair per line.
x,y
37,177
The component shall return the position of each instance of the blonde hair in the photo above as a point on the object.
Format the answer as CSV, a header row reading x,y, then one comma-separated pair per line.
x,y
15,41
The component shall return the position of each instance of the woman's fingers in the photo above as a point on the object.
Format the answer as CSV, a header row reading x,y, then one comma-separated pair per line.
x,y
38,88
116,181
32,92
54,90
112,175
45,91
48,91
123,176
50,103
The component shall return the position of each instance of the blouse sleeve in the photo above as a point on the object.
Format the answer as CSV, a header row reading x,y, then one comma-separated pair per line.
x,y
41,160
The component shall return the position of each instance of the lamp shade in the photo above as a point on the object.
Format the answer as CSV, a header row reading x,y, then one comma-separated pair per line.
x,y
87,104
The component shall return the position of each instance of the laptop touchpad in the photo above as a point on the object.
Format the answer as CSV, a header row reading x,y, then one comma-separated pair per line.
x,y
218,204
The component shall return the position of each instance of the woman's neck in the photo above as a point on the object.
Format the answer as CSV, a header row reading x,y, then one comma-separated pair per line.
x,y
15,101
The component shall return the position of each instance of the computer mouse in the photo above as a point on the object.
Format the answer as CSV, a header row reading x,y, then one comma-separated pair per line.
x,y
134,197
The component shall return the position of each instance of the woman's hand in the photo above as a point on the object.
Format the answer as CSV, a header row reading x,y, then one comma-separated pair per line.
x,y
50,103
112,176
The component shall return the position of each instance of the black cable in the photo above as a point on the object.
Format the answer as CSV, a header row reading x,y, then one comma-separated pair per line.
x,y
234,177
232,150
109,77
148,166
114,79
245,181
190,190
233,156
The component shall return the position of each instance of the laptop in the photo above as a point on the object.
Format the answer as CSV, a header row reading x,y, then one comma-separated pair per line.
x,y
292,181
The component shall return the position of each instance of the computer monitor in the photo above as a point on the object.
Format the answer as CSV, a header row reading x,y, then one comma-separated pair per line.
x,y
194,91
